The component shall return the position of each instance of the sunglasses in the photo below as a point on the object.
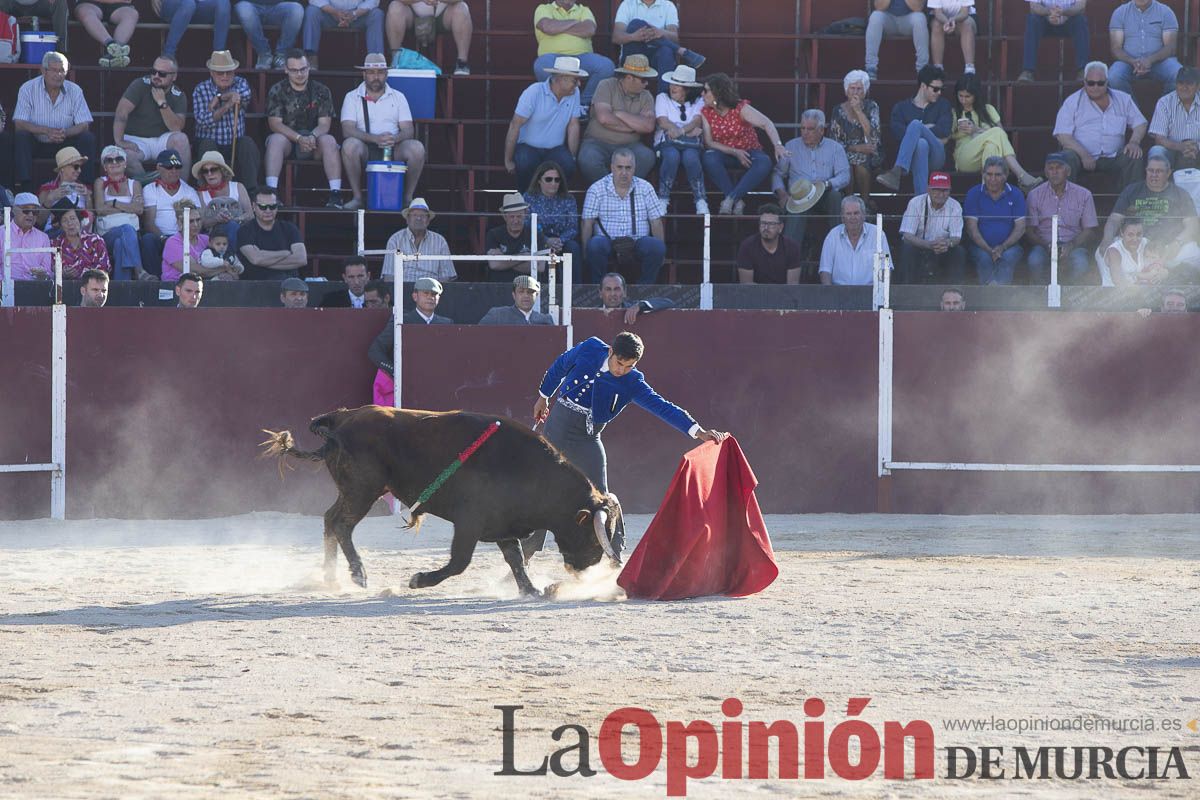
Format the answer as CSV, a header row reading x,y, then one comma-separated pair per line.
x,y
170,166
114,160
937,89
268,206
159,73
305,68
210,170
551,179
26,210
1096,83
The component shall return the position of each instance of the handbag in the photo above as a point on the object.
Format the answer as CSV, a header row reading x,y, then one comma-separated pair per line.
x,y
623,246
110,221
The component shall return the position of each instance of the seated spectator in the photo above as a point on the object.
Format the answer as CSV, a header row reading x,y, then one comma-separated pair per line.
x,y
426,294
377,125
1174,301
293,293
1078,227
953,300
66,184
51,114
53,10
625,210
523,311
118,203
417,240
219,261
768,256
978,135
566,28
545,126
949,17
995,222
220,104
151,115
557,212
1168,215
93,293
300,114
182,13
511,239
731,141
922,125
361,15
848,255
897,18
931,231
1091,129
817,159
428,18
25,235
355,276
158,210
1062,19
613,297
679,135
650,28
1143,36
94,13
286,15
224,201
622,113
173,263
1132,258
855,126
189,288
1176,121
377,295
81,251
268,246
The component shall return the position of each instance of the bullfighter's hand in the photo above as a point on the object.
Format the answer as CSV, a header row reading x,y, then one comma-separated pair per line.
x,y
540,410
712,436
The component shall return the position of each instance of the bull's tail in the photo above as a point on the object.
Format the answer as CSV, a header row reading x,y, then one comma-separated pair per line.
x,y
281,444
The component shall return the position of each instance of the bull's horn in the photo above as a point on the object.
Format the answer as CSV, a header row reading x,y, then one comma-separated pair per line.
x,y
600,526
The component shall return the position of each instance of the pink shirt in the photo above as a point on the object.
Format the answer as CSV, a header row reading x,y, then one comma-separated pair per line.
x,y
23,264
173,251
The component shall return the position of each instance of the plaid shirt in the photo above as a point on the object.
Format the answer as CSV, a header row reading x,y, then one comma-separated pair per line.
x,y
604,204
221,130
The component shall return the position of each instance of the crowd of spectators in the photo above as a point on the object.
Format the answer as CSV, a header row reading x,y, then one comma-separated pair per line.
x,y
620,131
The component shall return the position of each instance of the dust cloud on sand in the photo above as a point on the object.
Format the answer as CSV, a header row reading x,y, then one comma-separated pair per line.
x,y
195,659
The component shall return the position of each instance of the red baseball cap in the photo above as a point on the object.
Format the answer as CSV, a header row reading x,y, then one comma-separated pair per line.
x,y
939,180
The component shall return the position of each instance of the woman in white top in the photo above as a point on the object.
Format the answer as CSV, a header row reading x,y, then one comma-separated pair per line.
x,y
678,136
118,210
1131,258
214,182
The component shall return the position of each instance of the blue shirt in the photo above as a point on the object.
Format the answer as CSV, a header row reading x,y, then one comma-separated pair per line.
x,y
546,116
1143,29
938,113
582,373
996,218
899,8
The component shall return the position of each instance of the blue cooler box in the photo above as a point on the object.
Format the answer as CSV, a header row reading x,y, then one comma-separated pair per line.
x,y
35,45
419,87
385,185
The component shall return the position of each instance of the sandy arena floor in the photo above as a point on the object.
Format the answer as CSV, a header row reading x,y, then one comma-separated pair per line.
x,y
201,659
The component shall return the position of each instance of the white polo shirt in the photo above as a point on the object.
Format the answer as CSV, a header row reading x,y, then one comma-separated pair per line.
x,y
661,13
387,112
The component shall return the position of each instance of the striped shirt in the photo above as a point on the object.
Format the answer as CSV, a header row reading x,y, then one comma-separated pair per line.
x,y
613,211
1076,211
1101,133
1173,121
434,244
35,106
220,130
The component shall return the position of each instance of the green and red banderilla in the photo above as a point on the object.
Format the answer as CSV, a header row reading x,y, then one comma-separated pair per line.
x,y
445,475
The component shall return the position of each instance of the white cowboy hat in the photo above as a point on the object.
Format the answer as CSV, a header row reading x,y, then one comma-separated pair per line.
x,y
211,157
683,75
513,202
419,204
567,65
804,195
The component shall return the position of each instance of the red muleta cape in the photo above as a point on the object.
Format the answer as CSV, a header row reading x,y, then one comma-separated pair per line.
x,y
708,536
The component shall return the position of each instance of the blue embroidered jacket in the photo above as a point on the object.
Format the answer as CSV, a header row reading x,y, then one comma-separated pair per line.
x,y
596,392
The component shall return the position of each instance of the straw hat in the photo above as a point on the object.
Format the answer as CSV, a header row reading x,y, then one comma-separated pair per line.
x,y
513,202
211,157
639,67
373,61
68,155
222,61
567,65
683,75
804,195
419,204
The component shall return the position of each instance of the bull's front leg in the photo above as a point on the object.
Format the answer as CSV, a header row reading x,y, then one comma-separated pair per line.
x,y
462,548
516,562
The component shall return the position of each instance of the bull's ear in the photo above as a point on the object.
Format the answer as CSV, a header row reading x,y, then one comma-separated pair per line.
x,y
584,517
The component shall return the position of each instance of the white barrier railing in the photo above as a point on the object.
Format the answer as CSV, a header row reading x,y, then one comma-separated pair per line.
x,y
57,466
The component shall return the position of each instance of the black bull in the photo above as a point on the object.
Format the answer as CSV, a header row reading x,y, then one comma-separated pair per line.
x,y
514,484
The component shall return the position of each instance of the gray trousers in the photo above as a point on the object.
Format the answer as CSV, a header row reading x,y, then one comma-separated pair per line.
x,y
881,24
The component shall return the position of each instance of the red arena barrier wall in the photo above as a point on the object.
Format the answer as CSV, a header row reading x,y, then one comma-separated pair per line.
x,y
165,408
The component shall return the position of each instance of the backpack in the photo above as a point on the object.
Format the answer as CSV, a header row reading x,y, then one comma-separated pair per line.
x,y
10,39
